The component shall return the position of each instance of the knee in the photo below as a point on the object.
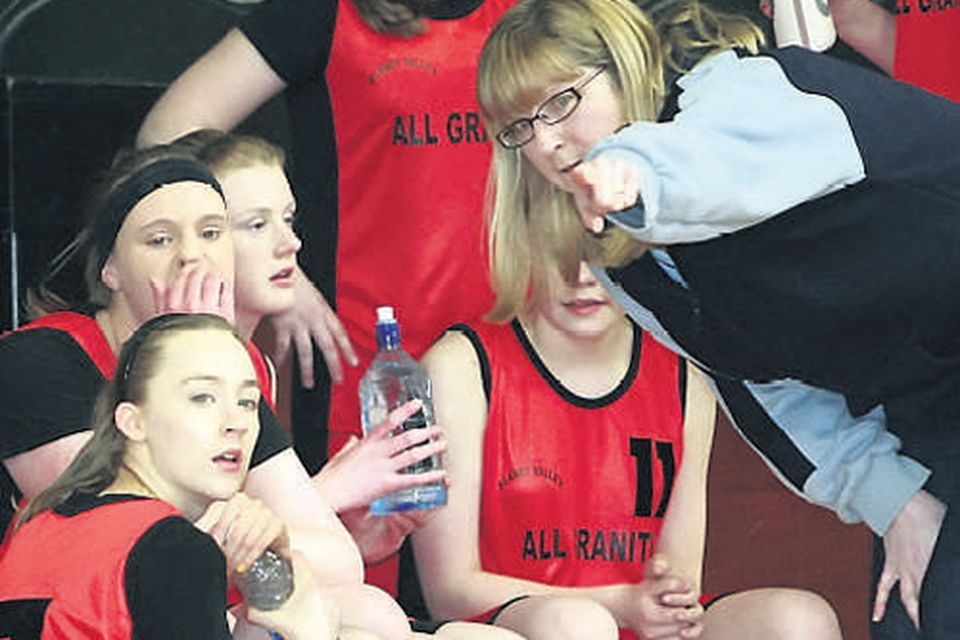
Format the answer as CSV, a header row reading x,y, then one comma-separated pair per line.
x,y
367,608
560,618
803,615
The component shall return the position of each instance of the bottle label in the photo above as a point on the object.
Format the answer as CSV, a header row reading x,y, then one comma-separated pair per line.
x,y
417,421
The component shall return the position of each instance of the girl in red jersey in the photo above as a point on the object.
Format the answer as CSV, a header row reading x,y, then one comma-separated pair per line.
x,y
742,205
261,208
385,137
159,240
578,460
110,549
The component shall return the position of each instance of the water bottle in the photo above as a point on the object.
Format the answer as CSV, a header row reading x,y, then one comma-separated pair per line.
x,y
268,582
392,379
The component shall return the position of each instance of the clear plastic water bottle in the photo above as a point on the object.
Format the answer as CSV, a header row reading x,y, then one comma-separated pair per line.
x,y
392,379
268,582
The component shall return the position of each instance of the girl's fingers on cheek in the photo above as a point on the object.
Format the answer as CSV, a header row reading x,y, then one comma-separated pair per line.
x,y
194,290
210,287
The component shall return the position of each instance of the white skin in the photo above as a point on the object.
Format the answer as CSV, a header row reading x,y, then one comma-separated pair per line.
x,y
585,341
190,441
868,28
606,184
171,253
261,209
174,252
218,91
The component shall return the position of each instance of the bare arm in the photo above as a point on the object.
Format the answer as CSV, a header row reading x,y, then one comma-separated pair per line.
x,y
684,527
447,547
35,470
218,91
283,485
868,28
372,467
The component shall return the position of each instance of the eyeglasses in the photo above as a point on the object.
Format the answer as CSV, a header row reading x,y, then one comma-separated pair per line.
x,y
554,109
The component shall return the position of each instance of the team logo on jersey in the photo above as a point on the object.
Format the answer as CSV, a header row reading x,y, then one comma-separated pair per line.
x,y
404,62
426,129
586,544
536,470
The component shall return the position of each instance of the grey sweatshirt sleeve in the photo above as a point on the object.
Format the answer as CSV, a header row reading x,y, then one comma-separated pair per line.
x,y
745,146
848,464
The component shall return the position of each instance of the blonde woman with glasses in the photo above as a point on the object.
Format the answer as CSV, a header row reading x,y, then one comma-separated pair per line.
x,y
757,212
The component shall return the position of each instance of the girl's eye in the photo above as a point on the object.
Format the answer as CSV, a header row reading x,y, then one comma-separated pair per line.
x,y
211,233
257,224
288,219
160,240
202,398
250,404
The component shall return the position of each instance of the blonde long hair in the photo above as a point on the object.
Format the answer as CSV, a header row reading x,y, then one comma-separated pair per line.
x,y
540,43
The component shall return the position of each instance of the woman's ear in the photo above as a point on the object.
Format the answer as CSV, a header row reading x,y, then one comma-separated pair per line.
x,y
129,421
108,275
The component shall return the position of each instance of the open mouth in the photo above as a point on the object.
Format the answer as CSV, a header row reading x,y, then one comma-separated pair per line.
x,y
570,167
229,460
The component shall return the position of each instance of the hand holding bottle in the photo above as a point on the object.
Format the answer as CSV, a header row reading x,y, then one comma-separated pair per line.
x,y
392,379
373,467
306,615
244,528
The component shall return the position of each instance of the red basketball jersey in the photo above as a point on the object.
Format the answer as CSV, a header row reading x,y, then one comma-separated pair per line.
x,y
574,490
928,46
77,564
412,164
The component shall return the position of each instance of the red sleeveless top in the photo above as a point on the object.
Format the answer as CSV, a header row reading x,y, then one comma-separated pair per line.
x,y
84,591
412,162
574,490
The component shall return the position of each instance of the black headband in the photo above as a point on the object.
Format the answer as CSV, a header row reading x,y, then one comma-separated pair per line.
x,y
138,186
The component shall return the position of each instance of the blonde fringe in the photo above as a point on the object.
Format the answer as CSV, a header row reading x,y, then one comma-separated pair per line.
x,y
540,42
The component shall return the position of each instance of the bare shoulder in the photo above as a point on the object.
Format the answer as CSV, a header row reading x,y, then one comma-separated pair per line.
x,y
457,380
453,350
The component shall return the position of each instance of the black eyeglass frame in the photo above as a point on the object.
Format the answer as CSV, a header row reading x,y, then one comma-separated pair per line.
x,y
574,90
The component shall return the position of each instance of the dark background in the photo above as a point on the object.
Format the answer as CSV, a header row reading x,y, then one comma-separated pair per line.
x,y
78,76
